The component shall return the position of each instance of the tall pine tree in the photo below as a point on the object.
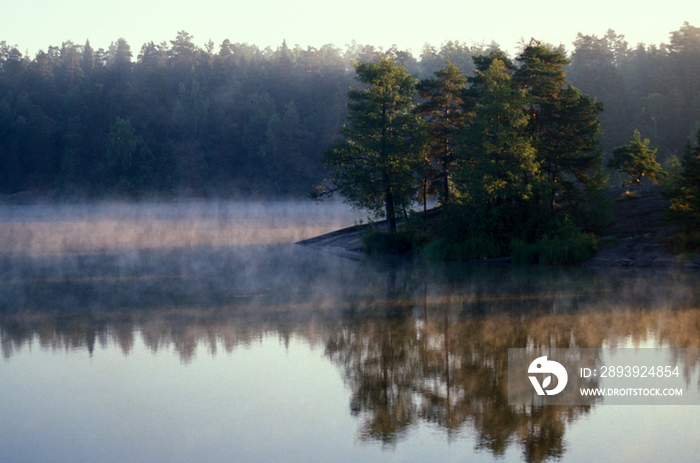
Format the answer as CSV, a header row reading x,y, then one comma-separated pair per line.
x,y
374,162
564,127
442,109
498,164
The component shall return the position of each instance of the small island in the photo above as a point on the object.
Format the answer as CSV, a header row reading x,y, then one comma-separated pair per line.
x,y
511,155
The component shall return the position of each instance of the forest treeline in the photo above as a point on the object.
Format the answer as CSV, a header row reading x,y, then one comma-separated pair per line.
x,y
176,118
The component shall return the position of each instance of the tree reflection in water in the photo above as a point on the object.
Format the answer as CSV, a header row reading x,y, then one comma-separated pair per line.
x,y
446,362
450,372
416,343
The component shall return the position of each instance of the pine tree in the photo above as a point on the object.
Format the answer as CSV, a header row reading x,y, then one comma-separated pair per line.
x,y
442,109
498,164
128,162
636,160
374,162
563,124
684,189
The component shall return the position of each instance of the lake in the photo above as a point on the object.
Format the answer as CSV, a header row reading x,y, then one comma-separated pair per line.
x,y
197,331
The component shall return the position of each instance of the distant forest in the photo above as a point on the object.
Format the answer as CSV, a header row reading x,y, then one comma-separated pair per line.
x,y
177,119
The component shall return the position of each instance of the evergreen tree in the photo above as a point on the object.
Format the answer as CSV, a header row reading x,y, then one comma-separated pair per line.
x,y
684,189
374,162
87,59
498,164
636,160
120,56
442,109
183,51
128,163
683,64
563,124
595,69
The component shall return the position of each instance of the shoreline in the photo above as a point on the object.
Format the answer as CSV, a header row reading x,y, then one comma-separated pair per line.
x,y
638,235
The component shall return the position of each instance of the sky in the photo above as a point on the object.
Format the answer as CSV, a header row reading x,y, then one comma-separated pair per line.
x,y
34,25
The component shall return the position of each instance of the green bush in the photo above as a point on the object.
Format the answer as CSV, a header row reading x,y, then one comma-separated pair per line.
x,y
561,250
471,248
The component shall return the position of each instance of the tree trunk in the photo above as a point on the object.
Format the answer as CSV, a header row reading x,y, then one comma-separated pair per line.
x,y
390,211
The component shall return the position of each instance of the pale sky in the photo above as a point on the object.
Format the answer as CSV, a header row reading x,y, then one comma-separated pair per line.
x,y
35,24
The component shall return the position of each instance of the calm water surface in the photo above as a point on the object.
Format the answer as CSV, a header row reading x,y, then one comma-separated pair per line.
x,y
199,332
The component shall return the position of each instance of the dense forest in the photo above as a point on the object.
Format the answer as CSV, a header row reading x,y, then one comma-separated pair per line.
x,y
176,118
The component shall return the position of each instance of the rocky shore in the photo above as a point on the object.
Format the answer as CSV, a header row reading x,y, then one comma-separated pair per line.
x,y
346,242
637,235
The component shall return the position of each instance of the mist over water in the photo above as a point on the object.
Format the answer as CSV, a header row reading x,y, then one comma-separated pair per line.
x,y
165,332
123,256
58,229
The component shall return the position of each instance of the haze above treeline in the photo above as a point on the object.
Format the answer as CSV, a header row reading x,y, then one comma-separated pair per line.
x,y
236,120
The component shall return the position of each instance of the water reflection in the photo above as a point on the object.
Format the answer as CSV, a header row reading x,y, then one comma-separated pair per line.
x,y
417,343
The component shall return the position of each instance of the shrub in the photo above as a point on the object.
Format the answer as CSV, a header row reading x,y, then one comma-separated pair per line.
x,y
471,248
562,250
